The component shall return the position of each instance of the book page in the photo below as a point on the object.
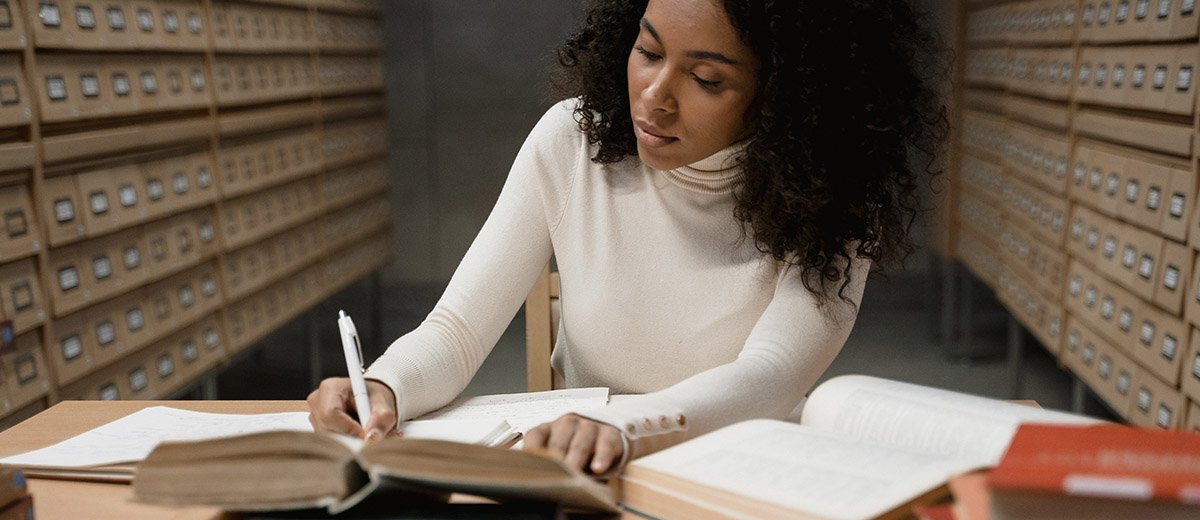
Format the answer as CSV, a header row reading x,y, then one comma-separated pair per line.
x,y
815,472
133,437
523,411
921,418
483,432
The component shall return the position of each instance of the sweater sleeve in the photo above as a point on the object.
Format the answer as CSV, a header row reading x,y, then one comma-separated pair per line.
x,y
431,365
790,346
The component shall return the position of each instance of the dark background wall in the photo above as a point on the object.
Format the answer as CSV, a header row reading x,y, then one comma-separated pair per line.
x,y
466,82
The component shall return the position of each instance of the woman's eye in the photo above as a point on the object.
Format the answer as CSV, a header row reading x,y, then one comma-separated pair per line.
x,y
650,56
705,83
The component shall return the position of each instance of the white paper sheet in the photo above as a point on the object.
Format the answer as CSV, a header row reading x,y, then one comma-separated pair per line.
x,y
133,437
523,411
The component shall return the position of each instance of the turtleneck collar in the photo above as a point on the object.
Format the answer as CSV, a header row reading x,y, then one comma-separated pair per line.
x,y
715,174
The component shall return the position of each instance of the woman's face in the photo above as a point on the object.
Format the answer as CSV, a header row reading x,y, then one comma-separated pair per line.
x,y
691,81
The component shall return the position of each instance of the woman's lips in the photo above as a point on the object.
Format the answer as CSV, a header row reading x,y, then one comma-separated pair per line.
x,y
652,140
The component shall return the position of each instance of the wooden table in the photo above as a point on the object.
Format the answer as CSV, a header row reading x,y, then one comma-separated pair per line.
x,y
60,499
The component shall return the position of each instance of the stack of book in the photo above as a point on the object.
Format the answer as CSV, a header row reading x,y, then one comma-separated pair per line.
x,y
15,501
1107,471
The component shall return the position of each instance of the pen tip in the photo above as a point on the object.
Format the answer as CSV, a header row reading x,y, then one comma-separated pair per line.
x,y
341,314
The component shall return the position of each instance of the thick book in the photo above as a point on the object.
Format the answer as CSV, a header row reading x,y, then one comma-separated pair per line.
x,y
1107,471
288,470
863,448
110,453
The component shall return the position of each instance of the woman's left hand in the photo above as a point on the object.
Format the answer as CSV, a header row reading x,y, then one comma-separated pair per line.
x,y
585,444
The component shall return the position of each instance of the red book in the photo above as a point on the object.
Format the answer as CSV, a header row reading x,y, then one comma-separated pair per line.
x,y
1097,469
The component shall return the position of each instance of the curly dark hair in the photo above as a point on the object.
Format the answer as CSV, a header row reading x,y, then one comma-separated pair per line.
x,y
846,122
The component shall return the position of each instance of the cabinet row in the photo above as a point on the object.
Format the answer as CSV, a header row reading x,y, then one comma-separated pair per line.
x,y
1151,190
98,269
152,344
253,317
97,201
93,344
77,87
1145,364
182,25
1060,22
1156,78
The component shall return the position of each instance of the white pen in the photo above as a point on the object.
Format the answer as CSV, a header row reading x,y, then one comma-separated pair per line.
x,y
354,365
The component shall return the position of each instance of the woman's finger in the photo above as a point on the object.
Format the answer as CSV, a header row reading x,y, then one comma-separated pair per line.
x,y
608,450
583,444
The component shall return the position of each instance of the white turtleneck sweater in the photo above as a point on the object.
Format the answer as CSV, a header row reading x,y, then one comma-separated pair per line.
x,y
663,295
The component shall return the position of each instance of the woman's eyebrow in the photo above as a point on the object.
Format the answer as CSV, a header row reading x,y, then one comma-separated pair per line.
x,y
699,55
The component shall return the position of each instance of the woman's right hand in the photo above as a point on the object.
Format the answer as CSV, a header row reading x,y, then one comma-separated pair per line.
x,y
331,409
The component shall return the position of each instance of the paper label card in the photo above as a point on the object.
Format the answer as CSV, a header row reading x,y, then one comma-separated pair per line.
x,y
121,85
195,25
131,257
109,392
134,319
22,295
138,380
27,369
1160,77
186,297
1178,200
1146,267
85,17
198,81
1171,277
1170,346
170,22
166,366
9,94
1163,419
154,189
1125,321
1153,198
106,333
99,202
116,19
89,84
189,352
15,223
49,14
101,267
72,347
56,88
127,195
149,83
145,20
68,278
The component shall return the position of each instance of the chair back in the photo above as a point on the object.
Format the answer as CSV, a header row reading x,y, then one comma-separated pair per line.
x,y
541,330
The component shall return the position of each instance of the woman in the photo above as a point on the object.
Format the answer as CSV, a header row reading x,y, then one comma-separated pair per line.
x,y
714,193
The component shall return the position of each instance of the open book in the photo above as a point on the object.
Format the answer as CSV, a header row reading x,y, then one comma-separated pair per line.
x,y
295,470
110,452
864,448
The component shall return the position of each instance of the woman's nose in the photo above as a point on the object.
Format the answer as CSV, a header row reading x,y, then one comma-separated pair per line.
x,y
658,94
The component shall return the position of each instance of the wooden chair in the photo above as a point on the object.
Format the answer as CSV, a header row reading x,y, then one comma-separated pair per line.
x,y
541,330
